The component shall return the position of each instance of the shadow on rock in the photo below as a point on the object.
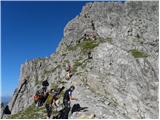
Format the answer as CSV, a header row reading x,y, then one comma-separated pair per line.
x,y
60,114
75,108
78,108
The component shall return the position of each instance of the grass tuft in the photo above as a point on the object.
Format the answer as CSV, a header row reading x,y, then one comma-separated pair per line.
x,y
138,54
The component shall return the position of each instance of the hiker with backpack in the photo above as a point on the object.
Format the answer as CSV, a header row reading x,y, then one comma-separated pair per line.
x,y
48,104
51,99
68,67
4,110
45,84
68,70
67,101
89,55
39,98
7,110
36,97
45,97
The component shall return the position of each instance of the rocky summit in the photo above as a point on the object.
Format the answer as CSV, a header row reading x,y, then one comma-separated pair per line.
x,y
113,51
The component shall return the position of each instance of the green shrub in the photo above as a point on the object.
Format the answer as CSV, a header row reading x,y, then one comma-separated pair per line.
x,y
64,54
109,39
76,65
62,82
72,48
66,61
74,69
37,82
52,70
28,113
138,54
53,58
88,44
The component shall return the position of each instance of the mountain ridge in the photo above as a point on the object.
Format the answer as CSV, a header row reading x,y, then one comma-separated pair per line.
x,y
121,78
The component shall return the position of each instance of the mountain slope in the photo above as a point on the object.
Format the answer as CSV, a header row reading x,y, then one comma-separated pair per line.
x,y
121,79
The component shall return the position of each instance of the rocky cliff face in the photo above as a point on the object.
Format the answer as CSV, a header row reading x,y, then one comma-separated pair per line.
x,y
120,80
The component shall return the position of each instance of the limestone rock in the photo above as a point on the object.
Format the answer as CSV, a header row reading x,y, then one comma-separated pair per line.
x,y
121,79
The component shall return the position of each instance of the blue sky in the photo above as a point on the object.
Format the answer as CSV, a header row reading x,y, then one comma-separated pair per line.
x,y
31,30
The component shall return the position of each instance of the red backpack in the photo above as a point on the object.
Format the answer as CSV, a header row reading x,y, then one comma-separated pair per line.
x,y
36,97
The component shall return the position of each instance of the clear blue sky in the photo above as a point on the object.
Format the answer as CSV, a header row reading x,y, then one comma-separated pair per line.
x,y
31,30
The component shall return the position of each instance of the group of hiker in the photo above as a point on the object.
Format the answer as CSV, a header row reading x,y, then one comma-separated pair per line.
x,y
47,99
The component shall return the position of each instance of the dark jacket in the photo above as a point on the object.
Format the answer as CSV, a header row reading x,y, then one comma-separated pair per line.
x,y
67,95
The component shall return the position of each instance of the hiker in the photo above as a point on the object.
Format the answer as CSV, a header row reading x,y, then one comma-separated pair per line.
x,y
92,24
68,67
67,101
89,55
48,104
68,75
45,84
51,99
45,96
6,110
39,98
36,97
68,70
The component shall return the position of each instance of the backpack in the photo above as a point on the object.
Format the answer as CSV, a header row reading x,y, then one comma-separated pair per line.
x,y
49,99
36,98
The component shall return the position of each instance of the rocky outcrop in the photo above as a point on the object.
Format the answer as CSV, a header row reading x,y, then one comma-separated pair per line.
x,y
121,78
1,112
